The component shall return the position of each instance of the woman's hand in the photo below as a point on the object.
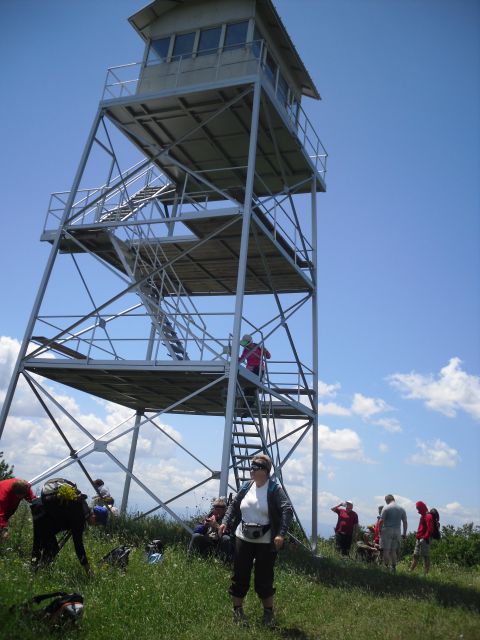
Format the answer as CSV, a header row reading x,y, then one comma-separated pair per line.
x,y
221,530
278,542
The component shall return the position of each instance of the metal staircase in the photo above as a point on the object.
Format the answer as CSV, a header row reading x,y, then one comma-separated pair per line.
x,y
141,198
251,432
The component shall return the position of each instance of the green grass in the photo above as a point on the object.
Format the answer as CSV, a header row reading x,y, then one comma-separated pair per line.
x,y
187,598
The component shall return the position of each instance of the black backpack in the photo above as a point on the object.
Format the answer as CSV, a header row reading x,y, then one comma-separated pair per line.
x,y
64,608
436,535
117,557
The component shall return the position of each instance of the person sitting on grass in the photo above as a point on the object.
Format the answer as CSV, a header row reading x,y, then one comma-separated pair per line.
x,y
367,550
206,539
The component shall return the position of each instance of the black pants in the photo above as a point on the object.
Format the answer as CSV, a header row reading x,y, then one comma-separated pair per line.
x,y
205,546
343,542
45,545
246,554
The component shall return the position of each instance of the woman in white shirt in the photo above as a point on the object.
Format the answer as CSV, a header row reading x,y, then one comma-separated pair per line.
x,y
264,514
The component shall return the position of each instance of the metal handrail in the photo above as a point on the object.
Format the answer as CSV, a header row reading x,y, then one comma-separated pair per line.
x,y
115,87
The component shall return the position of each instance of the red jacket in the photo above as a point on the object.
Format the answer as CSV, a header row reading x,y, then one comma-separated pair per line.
x,y
253,353
9,501
426,525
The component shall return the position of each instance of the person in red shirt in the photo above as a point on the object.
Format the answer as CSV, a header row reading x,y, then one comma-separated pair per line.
x,y
346,528
254,354
423,535
12,492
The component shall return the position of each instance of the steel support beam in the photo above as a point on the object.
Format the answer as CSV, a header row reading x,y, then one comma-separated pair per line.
x,y
242,268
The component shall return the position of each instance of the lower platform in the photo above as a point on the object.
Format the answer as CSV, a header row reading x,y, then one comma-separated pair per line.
x,y
156,386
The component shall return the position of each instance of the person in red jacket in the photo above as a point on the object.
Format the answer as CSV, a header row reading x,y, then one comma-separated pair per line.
x,y
254,354
12,492
423,535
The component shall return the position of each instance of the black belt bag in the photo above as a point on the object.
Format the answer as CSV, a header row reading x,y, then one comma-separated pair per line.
x,y
252,531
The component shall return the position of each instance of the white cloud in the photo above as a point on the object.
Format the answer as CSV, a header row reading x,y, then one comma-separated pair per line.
x,y
383,448
435,454
332,409
457,513
391,425
327,390
367,407
452,391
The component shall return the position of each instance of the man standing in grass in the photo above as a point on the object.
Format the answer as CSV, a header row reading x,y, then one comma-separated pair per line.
x,y
346,527
391,518
423,535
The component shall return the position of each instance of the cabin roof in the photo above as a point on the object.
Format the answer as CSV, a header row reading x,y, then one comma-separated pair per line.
x,y
265,8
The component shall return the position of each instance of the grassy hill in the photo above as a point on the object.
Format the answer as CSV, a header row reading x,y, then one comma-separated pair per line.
x,y
187,598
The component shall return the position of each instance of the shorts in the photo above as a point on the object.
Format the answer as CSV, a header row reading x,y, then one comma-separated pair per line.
x,y
422,548
390,539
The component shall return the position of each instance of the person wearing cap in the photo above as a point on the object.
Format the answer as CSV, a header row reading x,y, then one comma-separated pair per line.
x,y
254,354
263,513
391,519
346,527
424,533
102,497
50,518
12,492
206,539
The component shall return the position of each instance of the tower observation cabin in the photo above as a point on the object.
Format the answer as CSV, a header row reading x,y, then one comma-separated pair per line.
x,y
191,223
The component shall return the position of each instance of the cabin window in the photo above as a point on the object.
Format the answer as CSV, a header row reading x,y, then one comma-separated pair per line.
x,y
257,43
270,68
209,40
158,50
236,34
183,45
282,89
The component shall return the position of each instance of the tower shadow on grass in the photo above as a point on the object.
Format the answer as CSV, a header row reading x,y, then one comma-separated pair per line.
x,y
374,580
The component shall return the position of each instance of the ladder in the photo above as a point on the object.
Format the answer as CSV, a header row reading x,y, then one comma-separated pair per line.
x,y
136,202
248,437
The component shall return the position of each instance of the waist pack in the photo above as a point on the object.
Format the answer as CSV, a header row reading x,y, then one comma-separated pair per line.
x,y
64,608
252,531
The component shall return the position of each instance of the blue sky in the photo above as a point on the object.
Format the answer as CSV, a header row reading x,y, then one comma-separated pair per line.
x,y
399,226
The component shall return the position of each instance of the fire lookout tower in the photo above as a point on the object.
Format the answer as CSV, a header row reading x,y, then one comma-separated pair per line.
x,y
202,229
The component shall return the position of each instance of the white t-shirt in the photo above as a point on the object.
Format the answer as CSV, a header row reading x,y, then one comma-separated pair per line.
x,y
254,508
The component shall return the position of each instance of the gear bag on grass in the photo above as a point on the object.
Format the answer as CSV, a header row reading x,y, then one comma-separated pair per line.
x,y
63,608
154,552
436,535
59,491
117,557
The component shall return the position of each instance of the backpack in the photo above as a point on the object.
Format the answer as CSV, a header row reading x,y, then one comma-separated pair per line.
x,y
154,552
64,608
436,535
117,557
59,491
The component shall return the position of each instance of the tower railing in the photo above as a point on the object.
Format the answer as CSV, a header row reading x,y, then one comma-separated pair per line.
x,y
130,80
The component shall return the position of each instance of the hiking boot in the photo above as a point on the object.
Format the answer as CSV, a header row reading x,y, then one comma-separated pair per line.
x,y
239,617
267,618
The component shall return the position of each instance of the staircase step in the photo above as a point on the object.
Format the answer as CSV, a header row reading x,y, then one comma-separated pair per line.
x,y
240,445
246,434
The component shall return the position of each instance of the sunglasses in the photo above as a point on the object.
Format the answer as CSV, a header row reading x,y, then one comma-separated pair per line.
x,y
257,467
